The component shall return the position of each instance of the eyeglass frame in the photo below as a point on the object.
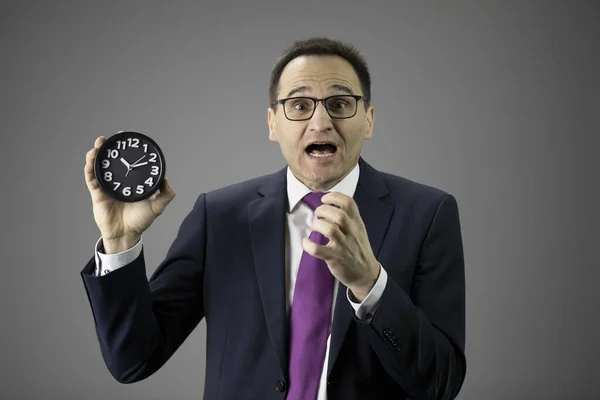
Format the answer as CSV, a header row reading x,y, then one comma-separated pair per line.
x,y
316,104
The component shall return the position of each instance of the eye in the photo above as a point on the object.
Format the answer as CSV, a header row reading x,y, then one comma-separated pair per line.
x,y
338,104
301,104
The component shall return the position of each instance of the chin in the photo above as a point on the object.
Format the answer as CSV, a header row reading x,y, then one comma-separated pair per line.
x,y
320,177
325,180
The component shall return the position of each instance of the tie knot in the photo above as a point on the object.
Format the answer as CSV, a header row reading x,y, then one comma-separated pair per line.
x,y
313,199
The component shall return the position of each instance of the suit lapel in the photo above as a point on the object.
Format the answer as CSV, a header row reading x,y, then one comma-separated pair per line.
x,y
267,225
375,213
266,218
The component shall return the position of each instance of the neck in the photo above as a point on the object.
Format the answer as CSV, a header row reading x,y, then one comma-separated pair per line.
x,y
323,186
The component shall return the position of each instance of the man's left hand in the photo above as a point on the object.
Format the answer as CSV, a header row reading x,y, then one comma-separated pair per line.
x,y
348,254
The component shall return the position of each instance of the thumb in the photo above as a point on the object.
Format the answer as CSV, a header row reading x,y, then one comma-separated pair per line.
x,y
163,197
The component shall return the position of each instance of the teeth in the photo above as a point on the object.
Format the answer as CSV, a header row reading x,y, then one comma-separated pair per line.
x,y
321,155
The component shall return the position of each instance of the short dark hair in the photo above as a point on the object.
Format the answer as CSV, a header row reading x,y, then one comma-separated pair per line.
x,y
322,46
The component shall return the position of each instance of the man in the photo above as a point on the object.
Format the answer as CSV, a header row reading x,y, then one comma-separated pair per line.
x,y
371,306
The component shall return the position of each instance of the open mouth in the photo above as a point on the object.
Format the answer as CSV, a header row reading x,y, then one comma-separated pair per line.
x,y
321,149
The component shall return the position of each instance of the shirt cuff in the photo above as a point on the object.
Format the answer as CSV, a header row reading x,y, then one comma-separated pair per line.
x,y
106,263
367,308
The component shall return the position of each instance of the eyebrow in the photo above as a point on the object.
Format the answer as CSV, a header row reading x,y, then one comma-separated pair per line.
x,y
338,87
342,88
298,89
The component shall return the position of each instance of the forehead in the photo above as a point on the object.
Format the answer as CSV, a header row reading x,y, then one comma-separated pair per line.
x,y
318,73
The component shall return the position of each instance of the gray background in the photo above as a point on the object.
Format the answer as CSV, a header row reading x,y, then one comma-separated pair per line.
x,y
495,102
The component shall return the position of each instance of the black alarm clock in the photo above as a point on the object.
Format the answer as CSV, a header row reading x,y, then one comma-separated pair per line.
x,y
129,166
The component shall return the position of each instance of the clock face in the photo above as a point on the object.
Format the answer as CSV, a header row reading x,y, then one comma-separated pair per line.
x,y
129,166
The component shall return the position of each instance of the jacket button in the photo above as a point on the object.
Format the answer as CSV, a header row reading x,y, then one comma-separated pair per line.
x,y
280,386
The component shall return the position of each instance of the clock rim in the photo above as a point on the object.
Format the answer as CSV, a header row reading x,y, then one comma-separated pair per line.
x,y
120,197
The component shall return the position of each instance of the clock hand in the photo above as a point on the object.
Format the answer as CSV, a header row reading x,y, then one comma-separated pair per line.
x,y
126,163
138,160
135,164
139,165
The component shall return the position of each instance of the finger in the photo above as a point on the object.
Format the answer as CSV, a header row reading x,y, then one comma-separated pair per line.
x,y
165,195
90,178
164,187
342,201
316,250
90,155
328,229
99,141
335,215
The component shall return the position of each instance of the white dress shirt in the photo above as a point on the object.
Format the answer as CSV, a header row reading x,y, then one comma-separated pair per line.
x,y
299,220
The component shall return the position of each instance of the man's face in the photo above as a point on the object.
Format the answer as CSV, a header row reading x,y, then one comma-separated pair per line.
x,y
314,165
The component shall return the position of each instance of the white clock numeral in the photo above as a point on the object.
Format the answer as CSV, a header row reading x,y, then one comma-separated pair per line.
x,y
126,190
133,142
117,184
108,176
149,181
145,148
105,163
140,189
154,170
121,143
113,153
152,157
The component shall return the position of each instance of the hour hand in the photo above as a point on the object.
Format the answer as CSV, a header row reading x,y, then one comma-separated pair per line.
x,y
126,163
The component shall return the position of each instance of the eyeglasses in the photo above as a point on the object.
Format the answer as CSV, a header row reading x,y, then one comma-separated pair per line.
x,y
303,108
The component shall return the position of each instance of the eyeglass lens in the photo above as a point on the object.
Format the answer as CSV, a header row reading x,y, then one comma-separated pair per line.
x,y
337,106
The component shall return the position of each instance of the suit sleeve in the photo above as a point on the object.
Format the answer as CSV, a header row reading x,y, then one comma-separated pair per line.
x,y
141,322
420,337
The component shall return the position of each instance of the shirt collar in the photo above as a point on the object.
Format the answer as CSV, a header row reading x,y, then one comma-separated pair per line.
x,y
296,190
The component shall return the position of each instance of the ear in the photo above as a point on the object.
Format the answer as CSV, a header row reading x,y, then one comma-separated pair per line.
x,y
370,120
272,121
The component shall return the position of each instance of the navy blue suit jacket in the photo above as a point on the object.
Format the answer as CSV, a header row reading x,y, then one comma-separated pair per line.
x,y
227,265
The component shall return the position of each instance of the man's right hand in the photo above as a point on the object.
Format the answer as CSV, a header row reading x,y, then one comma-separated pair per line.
x,y
121,224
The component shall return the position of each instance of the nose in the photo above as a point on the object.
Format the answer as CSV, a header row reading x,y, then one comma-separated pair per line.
x,y
320,121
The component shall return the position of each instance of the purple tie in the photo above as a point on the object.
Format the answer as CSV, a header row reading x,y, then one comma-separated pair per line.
x,y
310,319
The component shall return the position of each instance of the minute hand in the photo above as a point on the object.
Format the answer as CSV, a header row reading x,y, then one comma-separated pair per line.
x,y
139,165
